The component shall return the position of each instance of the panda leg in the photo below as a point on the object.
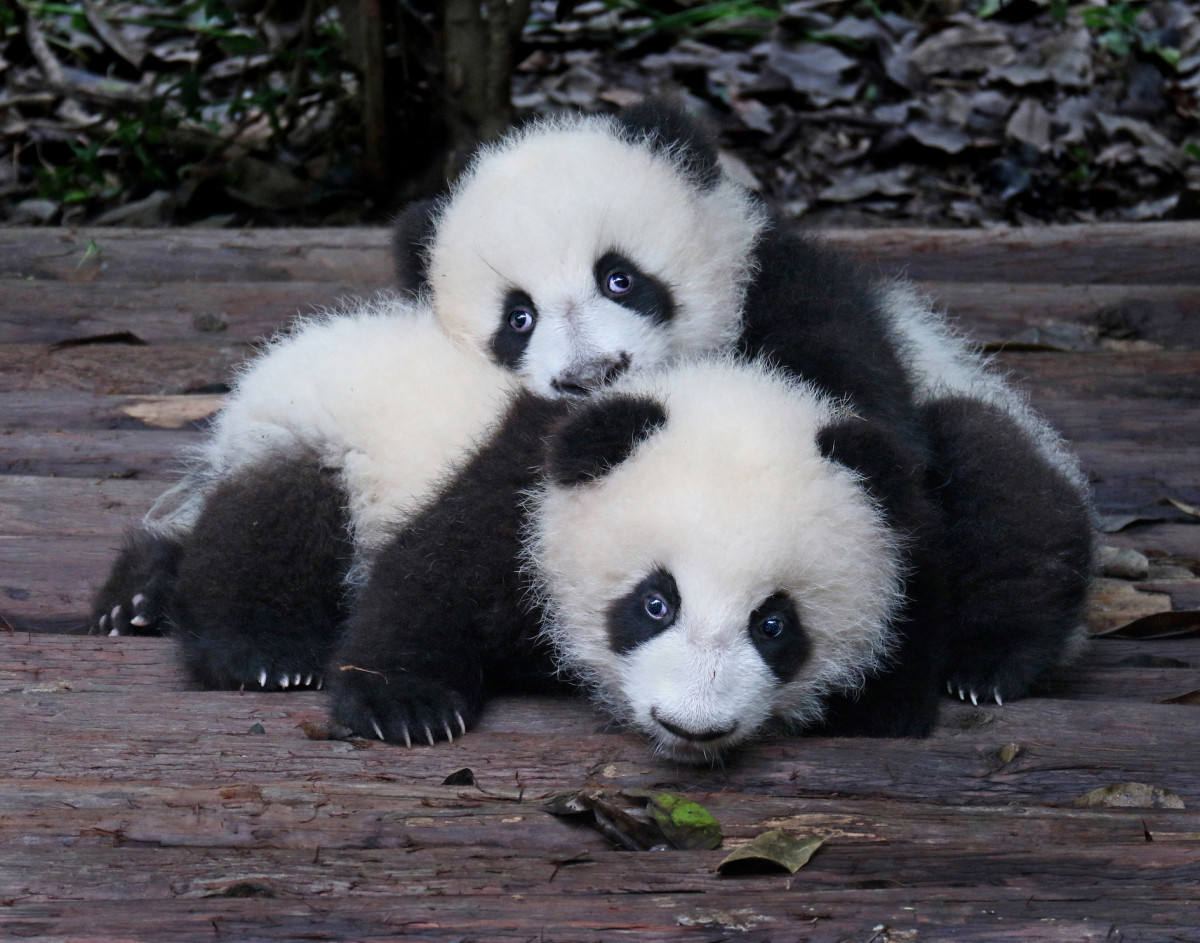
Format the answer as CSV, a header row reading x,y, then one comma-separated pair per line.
x,y
133,600
259,595
444,621
1019,545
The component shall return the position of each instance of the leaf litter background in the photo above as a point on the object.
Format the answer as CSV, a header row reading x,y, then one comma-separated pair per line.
x,y
842,112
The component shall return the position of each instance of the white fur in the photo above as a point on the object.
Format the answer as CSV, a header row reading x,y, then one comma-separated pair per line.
x,y
734,499
940,363
535,211
379,393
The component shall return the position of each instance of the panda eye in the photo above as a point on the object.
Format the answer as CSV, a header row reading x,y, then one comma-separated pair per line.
x,y
521,320
657,608
618,283
772,627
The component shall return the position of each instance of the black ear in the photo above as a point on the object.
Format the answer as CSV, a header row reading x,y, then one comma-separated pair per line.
x,y
893,469
410,240
600,435
669,128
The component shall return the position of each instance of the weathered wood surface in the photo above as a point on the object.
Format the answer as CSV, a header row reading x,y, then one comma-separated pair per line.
x,y
134,809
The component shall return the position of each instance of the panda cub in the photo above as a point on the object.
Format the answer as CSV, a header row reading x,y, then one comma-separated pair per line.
x,y
714,547
335,434
581,249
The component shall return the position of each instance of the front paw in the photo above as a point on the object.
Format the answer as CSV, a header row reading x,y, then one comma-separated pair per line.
x,y
398,709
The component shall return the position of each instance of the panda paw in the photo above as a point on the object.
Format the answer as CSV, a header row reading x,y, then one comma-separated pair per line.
x,y
405,713
250,665
139,614
968,692
133,600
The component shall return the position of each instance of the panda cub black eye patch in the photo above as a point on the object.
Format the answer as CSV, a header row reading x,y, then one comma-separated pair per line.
x,y
776,631
518,318
651,607
620,280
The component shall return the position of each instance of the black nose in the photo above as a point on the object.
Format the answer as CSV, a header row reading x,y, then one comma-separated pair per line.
x,y
587,378
696,736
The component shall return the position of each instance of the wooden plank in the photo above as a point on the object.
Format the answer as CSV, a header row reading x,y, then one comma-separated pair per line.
x,y
119,453
49,312
996,312
352,256
1119,254
1067,747
219,312
158,369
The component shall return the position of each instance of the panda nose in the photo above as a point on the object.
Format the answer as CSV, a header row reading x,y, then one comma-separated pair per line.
x,y
696,736
584,379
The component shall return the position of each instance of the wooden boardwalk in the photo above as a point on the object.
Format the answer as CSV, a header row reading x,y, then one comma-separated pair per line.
x,y
134,809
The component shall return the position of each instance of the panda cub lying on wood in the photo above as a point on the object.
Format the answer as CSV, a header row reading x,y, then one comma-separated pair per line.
x,y
359,506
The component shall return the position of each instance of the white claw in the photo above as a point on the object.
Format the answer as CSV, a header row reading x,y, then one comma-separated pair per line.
x,y
974,699
961,696
115,632
103,623
283,681
320,682
407,738
116,613
461,726
262,678
378,732
949,687
308,680
996,695
429,736
296,680
139,621
449,735
138,599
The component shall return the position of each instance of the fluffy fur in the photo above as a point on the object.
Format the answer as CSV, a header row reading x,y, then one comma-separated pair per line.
x,y
737,503
330,440
648,185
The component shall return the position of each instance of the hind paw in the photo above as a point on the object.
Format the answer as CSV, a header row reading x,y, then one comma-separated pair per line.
x,y
138,615
966,692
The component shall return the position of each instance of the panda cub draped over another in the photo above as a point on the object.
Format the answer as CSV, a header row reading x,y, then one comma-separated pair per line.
x,y
358,510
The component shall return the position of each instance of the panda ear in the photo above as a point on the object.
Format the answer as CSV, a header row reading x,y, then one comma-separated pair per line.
x,y
892,468
668,128
411,236
600,435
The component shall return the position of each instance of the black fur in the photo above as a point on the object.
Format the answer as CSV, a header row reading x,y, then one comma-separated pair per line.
x,y
810,312
411,235
669,128
1019,546
260,581
444,620
901,700
599,436
145,570
629,622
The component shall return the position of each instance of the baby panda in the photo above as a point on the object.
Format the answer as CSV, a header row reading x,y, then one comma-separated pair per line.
x,y
579,249
712,548
331,437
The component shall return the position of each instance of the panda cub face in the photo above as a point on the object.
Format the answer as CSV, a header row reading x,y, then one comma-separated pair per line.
x,y
577,250
702,564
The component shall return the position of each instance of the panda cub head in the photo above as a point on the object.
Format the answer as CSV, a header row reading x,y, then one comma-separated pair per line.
x,y
579,248
705,561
